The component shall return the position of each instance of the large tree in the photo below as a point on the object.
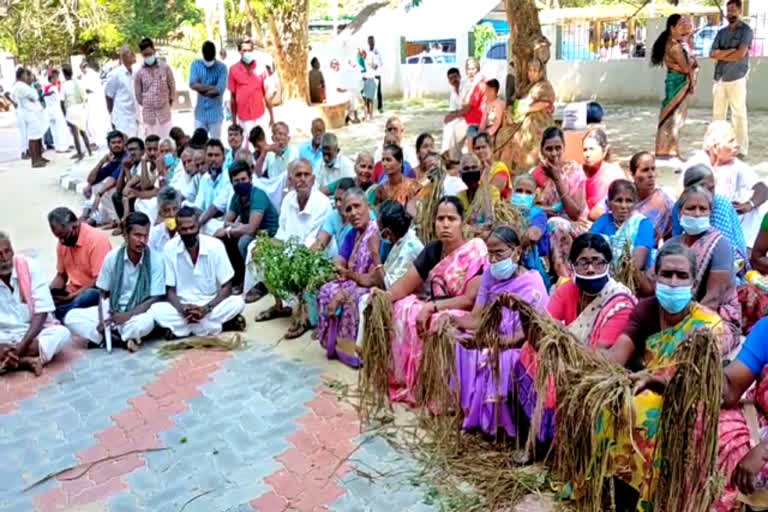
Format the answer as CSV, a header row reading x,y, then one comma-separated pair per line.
x,y
524,36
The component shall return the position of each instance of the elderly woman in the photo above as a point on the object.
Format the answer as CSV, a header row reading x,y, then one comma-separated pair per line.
x,y
497,173
593,306
518,139
357,264
487,404
534,240
443,279
493,109
599,171
628,232
168,163
656,328
715,285
561,194
472,97
652,201
397,187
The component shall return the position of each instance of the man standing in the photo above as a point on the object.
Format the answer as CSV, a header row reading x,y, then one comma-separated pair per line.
x,y
121,101
155,90
312,150
250,104
377,65
80,254
198,279
454,126
208,77
101,180
26,342
334,165
215,190
731,51
31,116
132,278
98,123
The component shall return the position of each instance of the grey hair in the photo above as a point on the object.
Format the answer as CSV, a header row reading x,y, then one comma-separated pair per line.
x,y
61,216
675,248
4,237
364,154
524,177
330,139
692,191
170,141
283,124
355,192
188,151
168,195
296,163
696,174
244,156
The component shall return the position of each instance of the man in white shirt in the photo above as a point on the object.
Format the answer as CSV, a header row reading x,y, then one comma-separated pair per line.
x,y
27,341
378,64
334,165
302,214
454,125
121,101
215,190
131,280
168,204
198,279
275,160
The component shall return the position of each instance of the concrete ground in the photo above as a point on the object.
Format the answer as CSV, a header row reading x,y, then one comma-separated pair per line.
x,y
257,429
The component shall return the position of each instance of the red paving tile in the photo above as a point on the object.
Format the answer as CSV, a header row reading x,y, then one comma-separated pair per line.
x,y
135,428
270,502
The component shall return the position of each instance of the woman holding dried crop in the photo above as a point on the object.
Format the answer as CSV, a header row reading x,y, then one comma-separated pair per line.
x,y
534,239
357,268
628,233
496,172
656,329
450,270
483,400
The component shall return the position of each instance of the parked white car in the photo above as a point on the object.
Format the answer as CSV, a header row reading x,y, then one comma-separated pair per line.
x,y
432,58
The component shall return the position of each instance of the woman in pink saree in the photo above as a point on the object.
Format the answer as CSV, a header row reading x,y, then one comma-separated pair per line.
x,y
444,279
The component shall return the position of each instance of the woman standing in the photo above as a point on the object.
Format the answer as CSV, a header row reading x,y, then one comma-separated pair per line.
x,y
450,270
337,301
652,202
75,111
397,186
679,85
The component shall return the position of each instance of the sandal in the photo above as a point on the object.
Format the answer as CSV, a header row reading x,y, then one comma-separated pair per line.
x,y
256,293
297,331
237,324
272,313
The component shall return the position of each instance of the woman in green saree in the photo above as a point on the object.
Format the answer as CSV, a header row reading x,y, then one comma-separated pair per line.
x,y
679,85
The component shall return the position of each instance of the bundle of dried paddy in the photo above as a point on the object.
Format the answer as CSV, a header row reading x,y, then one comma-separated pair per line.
x,y
437,373
373,378
234,341
624,270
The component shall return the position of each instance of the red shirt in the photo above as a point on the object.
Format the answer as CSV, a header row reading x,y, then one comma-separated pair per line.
x,y
246,83
597,185
475,113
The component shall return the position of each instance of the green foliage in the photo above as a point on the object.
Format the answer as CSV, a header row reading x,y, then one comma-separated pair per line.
x,y
289,268
482,34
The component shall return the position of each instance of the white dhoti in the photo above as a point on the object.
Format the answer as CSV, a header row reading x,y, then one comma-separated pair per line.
x,y
148,207
50,341
454,134
212,226
129,126
35,123
106,209
247,126
166,316
84,322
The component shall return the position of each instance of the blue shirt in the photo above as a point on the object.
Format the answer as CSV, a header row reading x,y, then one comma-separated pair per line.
x,y
723,218
645,236
308,151
214,192
209,110
754,353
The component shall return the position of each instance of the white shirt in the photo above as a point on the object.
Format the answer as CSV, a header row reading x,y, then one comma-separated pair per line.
x,y
198,283
454,101
14,314
158,237
375,56
341,167
304,225
26,97
131,275
119,87
185,184
275,164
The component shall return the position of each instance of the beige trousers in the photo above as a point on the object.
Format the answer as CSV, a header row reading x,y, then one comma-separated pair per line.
x,y
732,95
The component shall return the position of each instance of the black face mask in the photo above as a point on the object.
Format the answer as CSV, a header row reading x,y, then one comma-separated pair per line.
x,y
471,177
190,240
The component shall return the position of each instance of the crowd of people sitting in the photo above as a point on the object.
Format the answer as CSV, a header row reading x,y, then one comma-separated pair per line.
x,y
607,252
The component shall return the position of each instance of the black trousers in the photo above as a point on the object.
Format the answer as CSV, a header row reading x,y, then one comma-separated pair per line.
x,y
379,101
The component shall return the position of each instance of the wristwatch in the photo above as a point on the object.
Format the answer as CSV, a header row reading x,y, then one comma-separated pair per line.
x,y
229,231
751,205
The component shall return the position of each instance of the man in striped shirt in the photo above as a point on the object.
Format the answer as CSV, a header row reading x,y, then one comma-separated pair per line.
x,y
208,77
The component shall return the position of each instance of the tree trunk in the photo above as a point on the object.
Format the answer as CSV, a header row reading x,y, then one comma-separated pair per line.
x,y
524,35
289,28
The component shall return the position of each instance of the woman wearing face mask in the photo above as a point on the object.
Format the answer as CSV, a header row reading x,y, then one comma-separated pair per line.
x,y
168,163
715,279
534,241
450,270
356,264
652,202
561,194
497,173
397,187
480,395
599,171
621,227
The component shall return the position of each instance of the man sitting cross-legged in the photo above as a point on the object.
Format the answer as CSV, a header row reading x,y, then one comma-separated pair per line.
x,y
27,340
132,278
198,279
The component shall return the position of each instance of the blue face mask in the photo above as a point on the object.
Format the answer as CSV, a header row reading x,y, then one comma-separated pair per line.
x,y
169,160
150,61
673,299
592,285
504,269
524,201
242,189
694,225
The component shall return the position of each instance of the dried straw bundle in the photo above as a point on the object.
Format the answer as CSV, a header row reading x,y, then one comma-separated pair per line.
x,y
692,396
373,378
504,214
428,210
221,343
624,270
437,370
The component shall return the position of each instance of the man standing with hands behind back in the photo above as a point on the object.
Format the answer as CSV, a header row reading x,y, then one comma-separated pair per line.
x,y
731,51
155,90
208,77
250,104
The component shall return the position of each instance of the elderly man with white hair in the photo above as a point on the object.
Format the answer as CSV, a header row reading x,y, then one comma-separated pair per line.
x,y
334,164
168,162
735,180
29,338
118,90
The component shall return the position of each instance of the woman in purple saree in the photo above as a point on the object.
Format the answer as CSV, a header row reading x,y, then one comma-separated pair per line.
x,y
489,405
337,301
